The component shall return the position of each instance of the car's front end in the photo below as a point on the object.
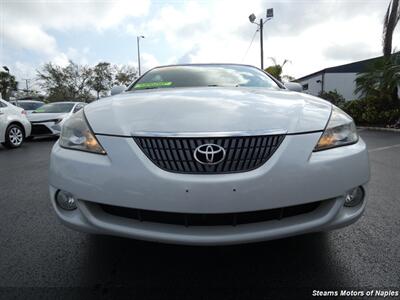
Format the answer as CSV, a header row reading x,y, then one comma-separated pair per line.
x,y
47,120
209,166
50,126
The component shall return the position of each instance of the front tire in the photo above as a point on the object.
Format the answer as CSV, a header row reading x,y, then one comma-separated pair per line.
x,y
14,136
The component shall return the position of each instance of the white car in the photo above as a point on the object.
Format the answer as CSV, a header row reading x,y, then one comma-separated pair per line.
x,y
28,105
210,154
48,119
14,126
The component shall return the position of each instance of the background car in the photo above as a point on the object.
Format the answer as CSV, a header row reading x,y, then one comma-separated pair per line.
x,y
48,119
28,105
14,126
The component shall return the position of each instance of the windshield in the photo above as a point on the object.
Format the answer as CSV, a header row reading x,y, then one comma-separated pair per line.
x,y
29,105
204,75
55,108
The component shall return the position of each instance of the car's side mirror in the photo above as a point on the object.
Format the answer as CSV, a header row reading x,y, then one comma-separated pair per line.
x,y
117,89
294,86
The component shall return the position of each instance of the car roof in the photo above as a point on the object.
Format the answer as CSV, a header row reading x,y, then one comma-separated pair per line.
x,y
69,102
26,100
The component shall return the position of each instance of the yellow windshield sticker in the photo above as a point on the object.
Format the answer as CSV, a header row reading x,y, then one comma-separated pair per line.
x,y
147,85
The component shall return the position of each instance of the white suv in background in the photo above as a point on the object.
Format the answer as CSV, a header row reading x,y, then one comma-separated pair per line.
x,y
14,126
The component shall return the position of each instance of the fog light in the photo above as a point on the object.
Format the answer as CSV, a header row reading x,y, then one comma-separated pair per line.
x,y
354,197
65,200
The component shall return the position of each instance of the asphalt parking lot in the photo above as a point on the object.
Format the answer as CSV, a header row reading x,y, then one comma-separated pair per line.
x,y
36,251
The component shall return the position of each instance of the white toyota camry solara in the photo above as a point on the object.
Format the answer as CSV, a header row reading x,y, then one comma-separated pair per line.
x,y
208,154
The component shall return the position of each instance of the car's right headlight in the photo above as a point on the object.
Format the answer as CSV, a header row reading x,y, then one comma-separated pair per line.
x,y
340,131
77,135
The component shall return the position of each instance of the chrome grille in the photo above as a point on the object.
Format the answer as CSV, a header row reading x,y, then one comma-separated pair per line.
x,y
176,154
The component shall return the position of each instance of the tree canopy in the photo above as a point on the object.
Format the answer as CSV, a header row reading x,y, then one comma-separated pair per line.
x,y
276,70
101,79
84,83
65,83
124,75
8,84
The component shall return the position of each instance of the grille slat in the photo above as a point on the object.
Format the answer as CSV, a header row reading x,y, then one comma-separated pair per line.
x,y
176,154
227,145
252,149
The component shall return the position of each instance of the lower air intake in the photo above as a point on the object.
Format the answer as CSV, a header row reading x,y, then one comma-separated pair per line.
x,y
190,219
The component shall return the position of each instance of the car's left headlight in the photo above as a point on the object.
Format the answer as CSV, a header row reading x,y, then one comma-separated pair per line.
x,y
76,134
340,131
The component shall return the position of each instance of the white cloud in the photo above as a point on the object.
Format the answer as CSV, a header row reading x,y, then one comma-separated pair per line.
x,y
80,56
25,71
29,37
63,15
178,24
315,47
60,59
26,23
148,61
312,35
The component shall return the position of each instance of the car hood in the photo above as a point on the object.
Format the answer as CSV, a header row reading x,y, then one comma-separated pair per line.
x,y
208,109
39,117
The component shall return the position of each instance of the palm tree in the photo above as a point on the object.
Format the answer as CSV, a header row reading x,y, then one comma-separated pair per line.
x,y
276,69
390,21
380,81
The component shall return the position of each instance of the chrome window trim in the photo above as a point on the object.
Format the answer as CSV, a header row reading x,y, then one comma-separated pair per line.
x,y
195,134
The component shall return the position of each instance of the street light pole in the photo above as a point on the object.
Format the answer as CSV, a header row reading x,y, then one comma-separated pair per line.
x,y
262,43
27,85
252,18
138,51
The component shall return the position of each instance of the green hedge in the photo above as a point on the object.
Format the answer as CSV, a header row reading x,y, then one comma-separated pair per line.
x,y
371,112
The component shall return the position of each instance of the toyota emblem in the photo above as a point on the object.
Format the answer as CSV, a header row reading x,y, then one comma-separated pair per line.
x,y
209,154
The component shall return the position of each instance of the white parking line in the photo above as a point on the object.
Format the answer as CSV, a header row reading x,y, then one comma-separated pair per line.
x,y
383,148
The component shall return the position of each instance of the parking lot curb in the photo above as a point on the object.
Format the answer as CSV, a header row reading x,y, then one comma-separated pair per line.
x,y
379,129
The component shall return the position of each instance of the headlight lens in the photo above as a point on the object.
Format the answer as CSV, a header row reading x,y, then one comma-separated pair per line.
x,y
340,131
76,134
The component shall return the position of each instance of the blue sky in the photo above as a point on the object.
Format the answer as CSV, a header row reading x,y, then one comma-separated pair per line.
x,y
311,34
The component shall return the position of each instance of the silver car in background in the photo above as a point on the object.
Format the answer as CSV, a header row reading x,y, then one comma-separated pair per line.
x,y
48,119
28,105
14,126
211,154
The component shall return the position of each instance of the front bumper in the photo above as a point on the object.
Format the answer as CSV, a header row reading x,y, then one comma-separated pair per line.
x,y
127,178
45,129
27,127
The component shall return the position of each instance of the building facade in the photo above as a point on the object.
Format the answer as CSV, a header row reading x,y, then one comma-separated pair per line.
x,y
339,78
